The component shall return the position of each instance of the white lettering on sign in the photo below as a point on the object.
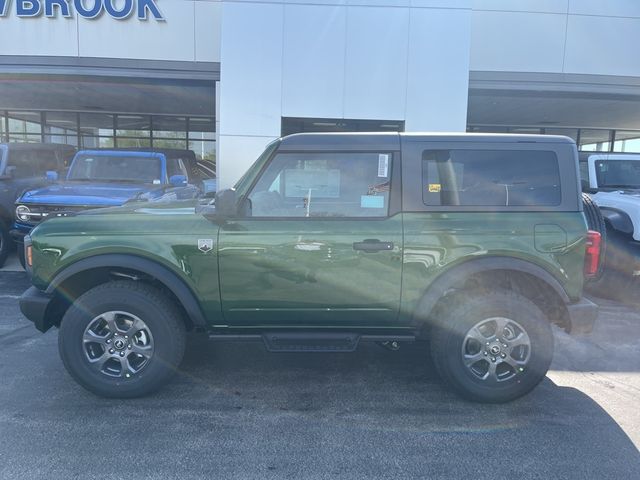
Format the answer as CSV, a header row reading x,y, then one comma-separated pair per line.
x,y
117,9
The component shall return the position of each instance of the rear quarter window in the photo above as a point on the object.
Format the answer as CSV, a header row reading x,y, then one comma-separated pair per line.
x,y
492,178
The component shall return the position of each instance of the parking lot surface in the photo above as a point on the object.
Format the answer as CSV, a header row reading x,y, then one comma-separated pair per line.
x,y
236,411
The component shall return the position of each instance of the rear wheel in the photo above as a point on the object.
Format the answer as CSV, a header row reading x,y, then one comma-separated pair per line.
x,y
6,243
122,339
493,347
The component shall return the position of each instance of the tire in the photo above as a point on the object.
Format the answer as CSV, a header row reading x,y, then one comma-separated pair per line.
x,y
20,255
6,242
595,222
162,340
450,342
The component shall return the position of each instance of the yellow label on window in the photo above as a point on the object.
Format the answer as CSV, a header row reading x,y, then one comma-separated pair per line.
x,y
434,188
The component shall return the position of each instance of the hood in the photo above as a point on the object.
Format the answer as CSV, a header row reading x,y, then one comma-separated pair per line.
x,y
177,207
86,194
628,202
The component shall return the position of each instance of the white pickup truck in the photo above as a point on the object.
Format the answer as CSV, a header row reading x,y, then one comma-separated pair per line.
x,y
613,182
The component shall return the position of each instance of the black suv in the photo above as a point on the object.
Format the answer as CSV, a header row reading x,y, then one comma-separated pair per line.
x,y
24,166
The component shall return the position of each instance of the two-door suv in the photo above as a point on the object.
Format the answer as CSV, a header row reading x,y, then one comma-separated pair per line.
x,y
475,242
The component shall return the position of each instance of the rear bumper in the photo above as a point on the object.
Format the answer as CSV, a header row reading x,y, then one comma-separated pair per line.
x,y
34,304
582,316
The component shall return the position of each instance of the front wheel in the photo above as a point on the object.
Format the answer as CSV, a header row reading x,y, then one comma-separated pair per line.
x,y
122,339
493,347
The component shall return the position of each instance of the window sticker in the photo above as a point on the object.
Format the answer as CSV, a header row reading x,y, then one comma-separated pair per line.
x,y
371,201
434,188
383,165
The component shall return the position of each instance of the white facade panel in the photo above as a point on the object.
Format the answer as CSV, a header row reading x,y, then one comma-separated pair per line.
x,y
603,46
436,86
516,41
149,39
537,6
38,36
251,78
207,22
313,61
376,63
613,8
237,155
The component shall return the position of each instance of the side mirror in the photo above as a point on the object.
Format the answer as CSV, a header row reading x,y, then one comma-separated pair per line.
x,y
227,203
178,180
51,176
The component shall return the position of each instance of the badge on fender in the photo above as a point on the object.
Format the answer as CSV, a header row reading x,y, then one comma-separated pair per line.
x,y
205,245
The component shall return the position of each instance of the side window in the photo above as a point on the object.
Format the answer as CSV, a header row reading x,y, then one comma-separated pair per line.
x,y
584,175
175,166
32,163
324,185
500,178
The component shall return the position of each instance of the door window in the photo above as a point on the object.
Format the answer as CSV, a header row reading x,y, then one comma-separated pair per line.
x,y
323,185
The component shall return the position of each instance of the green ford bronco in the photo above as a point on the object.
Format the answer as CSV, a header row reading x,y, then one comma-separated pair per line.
x,y
476,243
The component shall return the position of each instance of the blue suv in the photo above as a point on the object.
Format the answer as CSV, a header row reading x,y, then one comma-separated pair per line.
x,y
109,178
24,166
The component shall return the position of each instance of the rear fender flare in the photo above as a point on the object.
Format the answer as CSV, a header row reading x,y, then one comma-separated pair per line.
x,y
453,277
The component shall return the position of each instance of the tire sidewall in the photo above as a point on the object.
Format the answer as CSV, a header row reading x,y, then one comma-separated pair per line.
x,y
167,351
461,318
6,242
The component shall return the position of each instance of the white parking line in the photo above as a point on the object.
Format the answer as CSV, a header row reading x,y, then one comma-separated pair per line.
x,y
15,297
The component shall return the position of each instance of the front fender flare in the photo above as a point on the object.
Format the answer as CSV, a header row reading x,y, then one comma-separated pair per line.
x,y
161,273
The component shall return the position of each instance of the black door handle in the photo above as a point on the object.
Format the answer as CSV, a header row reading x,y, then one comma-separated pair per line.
x,y
372,245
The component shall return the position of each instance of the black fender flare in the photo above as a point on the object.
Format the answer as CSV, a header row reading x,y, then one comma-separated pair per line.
x,y
449,279
618,220
161,273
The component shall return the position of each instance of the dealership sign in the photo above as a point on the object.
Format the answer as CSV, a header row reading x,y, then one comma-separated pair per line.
x,y
118,9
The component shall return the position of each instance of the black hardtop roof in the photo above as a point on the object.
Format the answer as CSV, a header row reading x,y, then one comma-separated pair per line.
x,y
167,152
38,146
392,139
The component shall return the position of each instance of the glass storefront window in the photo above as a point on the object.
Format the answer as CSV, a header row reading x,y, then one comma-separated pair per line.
x,y
97,142
25,123
204,150
595,140
169,127
96,124
627,141
202,129
133,126
176,143
122,142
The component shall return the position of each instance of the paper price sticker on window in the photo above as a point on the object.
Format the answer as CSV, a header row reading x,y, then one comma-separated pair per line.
x,y
383,165
434,188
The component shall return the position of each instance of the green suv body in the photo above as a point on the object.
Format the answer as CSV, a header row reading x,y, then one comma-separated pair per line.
x,y
474,242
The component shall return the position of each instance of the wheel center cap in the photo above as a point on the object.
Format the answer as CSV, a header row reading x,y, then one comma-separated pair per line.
x,y
119,344
495,350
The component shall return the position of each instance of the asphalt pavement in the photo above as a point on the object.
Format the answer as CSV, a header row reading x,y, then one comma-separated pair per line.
x,y
236,411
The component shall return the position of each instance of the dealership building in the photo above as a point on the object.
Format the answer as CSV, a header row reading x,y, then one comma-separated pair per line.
x,y
224,78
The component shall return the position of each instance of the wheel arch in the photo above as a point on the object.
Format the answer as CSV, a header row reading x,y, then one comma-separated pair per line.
x,y
522,276
618,220
87,273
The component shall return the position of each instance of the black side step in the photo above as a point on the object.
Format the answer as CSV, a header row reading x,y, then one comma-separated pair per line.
x,y
315,341
310,342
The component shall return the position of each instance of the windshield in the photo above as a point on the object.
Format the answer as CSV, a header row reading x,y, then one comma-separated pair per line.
x,y
618,173
116,168
242,186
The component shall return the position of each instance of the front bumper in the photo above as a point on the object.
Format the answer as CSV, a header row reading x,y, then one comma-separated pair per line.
x,y
34,304
19,231
582,316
